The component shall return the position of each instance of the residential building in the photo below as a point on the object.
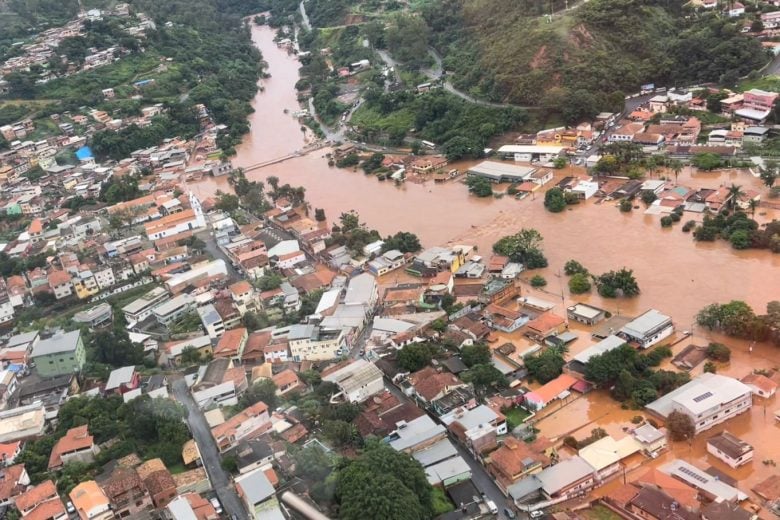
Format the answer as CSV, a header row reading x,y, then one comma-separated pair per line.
x,y
545,325
168,312
41,503
760,385
567,479
312,343
730,449
60,283
655,504
430,384
257,493
357,381
585,314
140,309
172,352
248,423
219,384
286,381
211,320
63,353
95,316
558,388
243,295
477,429
85,285
416,435
9,451
647,329
382,412
516,459
708,400
22,422
605,455
651,439
232,343
580,361
90,502
190,506
387,262
6,306
158,481
122,380
710,487
126,493
77,445
13,482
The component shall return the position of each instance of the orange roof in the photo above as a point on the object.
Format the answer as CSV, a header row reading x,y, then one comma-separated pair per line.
x,y
230,426
9,485
57,277
36,227
44,491
272,478
678,490
428,383
761,382
545,322
76,439
241,287
168,221
230,342
9,449
88,496
285,378
553,389
624,494
200,506
257,342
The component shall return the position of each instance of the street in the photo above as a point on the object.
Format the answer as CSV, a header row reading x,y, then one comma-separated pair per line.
x,y
479,475
213,249
220,479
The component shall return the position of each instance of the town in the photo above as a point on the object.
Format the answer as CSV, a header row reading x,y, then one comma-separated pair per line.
x,y
206,312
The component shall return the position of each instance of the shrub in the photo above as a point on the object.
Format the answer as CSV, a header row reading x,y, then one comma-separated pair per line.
x,y
579,283
538,281
675,217
680,426
637,419
626,206
666,221
573,267
688,226
710,367
719,352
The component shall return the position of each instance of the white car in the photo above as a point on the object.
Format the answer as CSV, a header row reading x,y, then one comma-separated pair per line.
x,y
536,514
217,506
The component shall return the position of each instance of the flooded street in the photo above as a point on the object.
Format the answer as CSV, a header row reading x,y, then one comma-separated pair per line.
x,y
675,274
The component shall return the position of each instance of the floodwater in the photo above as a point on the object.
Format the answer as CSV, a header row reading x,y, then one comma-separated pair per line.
x,y
676,275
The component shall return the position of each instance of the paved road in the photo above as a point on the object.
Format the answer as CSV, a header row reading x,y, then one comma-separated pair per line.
x,y
220,480
479,475
213,249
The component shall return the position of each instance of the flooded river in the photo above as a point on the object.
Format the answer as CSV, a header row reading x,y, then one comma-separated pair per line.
x,y
675,274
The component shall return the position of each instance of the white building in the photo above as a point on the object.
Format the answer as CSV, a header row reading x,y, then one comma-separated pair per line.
x,y
648,329
211,321
104,277
708,400
6,308
173,309
311,343
733,451
140,309
357,381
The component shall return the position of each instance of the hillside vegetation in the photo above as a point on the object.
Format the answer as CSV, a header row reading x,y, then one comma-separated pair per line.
x,y
506,50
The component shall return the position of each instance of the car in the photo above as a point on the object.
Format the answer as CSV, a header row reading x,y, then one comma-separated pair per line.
x,y
217,506
536,514
70,508
509,513
362,352
491,507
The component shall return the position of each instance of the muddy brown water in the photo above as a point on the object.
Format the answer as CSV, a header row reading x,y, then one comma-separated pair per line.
x,y
675,274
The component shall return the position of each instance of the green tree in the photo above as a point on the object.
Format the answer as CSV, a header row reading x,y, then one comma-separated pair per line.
x,y
538,281
614,283
403,241
387,483
648,197
680,426
476,354
579,283
719,352
525,247
485,377
263,390
544,367
479,186
706,161
573,267
769,174
554,200
415,356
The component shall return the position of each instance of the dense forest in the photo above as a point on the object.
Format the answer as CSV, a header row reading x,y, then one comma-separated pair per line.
x,y
508,50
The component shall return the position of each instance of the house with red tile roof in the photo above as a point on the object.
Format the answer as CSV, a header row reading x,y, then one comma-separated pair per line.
x,y
232,343
60,283
247,424
9,451
77,445
545,325
760,385
90,501
13,481
41,503
431,384
127,493
547,393
35,230
286,381
516,459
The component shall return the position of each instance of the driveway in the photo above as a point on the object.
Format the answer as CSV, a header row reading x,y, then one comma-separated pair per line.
x,y
220,479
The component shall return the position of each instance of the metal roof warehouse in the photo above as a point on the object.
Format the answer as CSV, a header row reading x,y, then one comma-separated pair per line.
x,y
501,172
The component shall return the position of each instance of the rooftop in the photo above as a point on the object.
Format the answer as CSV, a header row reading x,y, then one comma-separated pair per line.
x,y
60,342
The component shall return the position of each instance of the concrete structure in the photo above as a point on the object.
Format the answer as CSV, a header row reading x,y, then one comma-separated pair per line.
x,y
312,343
585,313
710,487
648,329
22,422
173,309
95,316
140,309
77,445
357,381
730,449
501,172
580,360
90,501
651,439
63,353
708,400
529,153
211,321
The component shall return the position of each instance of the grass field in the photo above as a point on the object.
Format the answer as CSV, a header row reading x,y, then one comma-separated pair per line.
x,y
441,503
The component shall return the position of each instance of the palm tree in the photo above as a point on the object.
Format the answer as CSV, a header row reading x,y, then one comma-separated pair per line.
x,y
676,166
735,193
752,204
